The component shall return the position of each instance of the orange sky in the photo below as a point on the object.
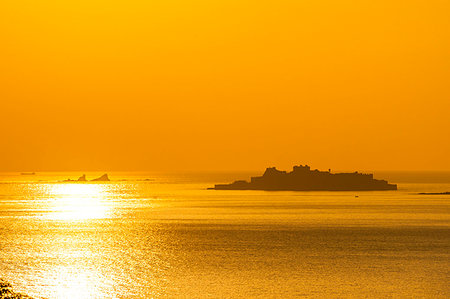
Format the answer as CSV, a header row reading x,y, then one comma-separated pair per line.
x,y
224,85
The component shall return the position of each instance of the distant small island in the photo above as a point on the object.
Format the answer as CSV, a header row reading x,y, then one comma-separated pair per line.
x,y
302,178
435,193
103,178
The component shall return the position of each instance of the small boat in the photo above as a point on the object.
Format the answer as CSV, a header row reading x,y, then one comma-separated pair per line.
x,y
27,173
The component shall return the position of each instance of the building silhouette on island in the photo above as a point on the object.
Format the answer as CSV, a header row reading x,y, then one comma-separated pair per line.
x,y
302,178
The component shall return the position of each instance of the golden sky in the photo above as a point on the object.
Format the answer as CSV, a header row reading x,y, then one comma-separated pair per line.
x,y
224,85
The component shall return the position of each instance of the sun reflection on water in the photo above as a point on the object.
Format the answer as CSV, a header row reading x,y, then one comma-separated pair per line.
x,y
78,202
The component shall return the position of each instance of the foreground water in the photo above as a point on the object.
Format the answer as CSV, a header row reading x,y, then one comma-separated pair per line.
x,y
146,235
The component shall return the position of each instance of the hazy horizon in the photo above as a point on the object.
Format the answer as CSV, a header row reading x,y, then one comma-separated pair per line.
x,y
260,170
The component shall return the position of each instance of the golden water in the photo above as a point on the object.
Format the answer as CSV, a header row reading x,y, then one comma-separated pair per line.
x,y
170,237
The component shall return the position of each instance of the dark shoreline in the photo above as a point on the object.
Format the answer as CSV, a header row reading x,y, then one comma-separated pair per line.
x,y
434,193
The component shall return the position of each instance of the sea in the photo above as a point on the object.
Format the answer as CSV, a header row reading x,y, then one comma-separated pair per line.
x,y
154,235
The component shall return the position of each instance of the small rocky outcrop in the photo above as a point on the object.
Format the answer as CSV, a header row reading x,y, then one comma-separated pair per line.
x,y
103,178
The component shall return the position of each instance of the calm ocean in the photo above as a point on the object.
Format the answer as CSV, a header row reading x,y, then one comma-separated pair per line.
x,y
146,235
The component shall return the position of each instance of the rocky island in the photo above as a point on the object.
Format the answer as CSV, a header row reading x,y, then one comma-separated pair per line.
x,y
302,178
103,178
82,179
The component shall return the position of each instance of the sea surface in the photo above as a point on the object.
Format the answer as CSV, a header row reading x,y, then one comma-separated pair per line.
x,y
147,235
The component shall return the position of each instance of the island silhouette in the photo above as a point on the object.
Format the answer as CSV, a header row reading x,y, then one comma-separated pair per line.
x,y
302,178
435,193
103,178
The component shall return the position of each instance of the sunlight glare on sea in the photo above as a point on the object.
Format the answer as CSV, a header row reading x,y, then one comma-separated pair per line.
x,y
77,201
